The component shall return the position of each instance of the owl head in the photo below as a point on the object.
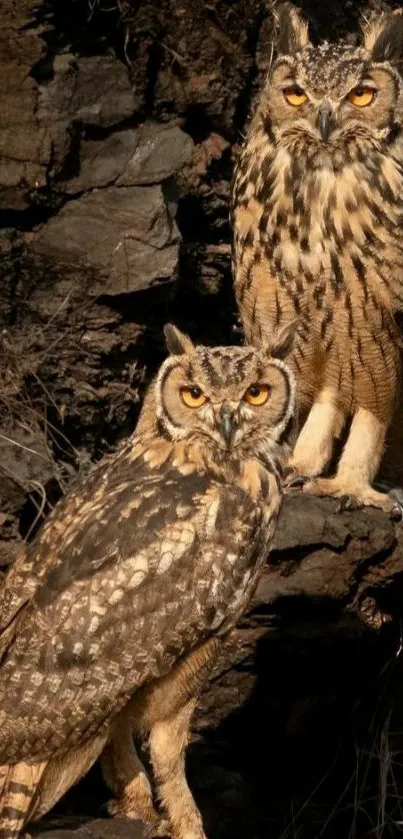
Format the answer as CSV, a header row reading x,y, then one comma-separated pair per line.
x,y
325,97
234,398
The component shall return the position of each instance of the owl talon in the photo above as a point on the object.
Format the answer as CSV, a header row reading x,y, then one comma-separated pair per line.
x,y
396,494
298,481
351,496
118,809
347,502
293,481
160,829
396,514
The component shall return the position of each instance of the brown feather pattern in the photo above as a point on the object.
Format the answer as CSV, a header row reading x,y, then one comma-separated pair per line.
x,y
318,231
140,569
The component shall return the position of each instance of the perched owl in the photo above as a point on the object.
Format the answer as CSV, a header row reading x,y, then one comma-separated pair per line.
x,y
317,212
110,622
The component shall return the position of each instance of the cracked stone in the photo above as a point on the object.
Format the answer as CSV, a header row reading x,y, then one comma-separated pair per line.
x,y
92,90
147,155
126,236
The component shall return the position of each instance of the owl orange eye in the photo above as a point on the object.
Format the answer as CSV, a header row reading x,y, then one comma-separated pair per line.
x,y
193,397
295,96
257,395
362,96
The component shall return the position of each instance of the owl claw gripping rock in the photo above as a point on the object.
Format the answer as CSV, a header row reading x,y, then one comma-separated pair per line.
x,y
110,622
317,211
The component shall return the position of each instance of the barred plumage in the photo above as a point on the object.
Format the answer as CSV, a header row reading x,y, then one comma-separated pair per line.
x,y
110,622
317,210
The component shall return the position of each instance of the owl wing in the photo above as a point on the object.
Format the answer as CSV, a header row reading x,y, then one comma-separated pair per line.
x,y
135,583
32,563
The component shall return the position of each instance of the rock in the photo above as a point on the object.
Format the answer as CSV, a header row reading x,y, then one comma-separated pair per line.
x,y
126,236
26,467
9,549
94,90
27,456
147,155
101,829
318,552
102,161
161,151
205,153
200,53
307,522
37,120
102,95
24,152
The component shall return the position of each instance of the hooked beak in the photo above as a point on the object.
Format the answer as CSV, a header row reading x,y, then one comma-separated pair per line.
x,y
326,121
227,425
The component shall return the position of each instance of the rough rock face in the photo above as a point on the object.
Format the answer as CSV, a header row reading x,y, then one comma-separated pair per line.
x,y
102,829
119,125
125,235
88,194
140,156
24,152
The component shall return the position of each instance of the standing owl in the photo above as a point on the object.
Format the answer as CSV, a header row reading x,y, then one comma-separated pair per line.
x,y
317,212
110,623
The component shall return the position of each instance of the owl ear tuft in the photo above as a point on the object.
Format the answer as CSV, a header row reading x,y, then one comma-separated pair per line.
x,y
282,342
292,30
384,37
176,341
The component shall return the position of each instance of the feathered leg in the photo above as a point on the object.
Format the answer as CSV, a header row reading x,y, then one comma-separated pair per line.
x,y
314,447
125,775
358,466
168,740
163,708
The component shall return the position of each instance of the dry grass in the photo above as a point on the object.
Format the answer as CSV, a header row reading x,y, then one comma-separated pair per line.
x,y
25,404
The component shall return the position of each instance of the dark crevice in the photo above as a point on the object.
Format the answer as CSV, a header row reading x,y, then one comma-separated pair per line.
x,y
42,208
83,28
197,123
367,566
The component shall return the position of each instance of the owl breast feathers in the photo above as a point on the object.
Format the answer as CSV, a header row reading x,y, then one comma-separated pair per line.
x,y
155,552
317,210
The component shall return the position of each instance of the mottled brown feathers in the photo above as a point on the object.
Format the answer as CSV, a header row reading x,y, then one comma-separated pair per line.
x,y
109,620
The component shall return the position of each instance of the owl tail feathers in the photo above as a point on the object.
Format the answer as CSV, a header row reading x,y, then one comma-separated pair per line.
x,y
18,787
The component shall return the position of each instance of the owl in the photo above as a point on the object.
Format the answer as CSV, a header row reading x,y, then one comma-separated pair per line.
x,y
317,215
111,620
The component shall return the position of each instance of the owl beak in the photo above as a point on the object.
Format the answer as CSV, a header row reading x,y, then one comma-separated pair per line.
x,y
326,121
227,425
